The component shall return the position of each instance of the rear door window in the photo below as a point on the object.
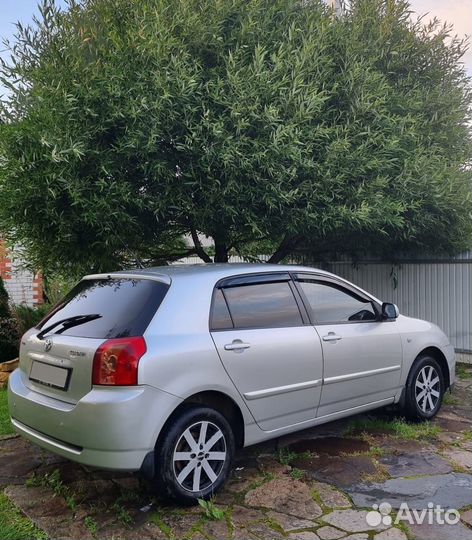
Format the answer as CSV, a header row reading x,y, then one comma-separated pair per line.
x,y
126,307
263,305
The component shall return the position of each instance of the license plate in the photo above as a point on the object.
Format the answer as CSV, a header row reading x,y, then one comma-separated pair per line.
x,y
49,375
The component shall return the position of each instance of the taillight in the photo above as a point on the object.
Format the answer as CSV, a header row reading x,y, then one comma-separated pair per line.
x,y
116,361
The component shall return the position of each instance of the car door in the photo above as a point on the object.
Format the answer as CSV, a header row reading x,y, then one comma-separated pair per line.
x,y
362,353
268,348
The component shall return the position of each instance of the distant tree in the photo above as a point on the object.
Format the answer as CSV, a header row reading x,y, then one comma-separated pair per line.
x,y
263,124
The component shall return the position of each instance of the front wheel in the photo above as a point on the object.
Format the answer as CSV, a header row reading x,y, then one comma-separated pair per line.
x,y
424,389
194,456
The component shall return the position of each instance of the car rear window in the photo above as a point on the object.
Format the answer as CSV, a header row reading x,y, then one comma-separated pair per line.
x,y
126,307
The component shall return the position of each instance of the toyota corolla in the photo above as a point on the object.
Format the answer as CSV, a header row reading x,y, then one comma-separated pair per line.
x,y
170,370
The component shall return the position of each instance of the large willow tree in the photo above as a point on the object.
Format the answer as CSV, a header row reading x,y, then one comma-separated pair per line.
x,y
267,125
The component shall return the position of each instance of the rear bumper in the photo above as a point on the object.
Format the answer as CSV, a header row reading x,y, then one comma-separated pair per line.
x,y
109,428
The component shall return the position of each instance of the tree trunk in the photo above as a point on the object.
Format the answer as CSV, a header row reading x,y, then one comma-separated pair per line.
x,y
199,248
287,246
221,252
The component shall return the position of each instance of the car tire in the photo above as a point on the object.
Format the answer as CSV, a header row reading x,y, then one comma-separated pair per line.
x,y
424,389
184,469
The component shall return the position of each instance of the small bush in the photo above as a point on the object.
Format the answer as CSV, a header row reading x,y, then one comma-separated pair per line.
x,y
28,317
9,331
4,307
9,339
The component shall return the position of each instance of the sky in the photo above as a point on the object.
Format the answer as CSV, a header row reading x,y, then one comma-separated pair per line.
x,y
457,12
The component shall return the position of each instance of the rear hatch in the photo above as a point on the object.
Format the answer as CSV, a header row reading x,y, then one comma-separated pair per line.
x,y
56,357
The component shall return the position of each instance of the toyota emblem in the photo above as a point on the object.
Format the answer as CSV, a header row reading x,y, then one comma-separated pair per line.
x,y
48,345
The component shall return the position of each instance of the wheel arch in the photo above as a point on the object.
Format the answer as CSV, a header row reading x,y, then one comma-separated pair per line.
x,y
219,401
438,355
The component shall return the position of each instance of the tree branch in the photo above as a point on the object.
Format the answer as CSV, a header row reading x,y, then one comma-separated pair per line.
x,y
199,248
171,257
287,246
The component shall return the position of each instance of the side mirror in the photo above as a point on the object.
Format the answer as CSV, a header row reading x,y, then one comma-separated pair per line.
x,y
389,311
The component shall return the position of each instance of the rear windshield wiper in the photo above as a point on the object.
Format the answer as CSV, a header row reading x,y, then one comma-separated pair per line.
x,y
69,322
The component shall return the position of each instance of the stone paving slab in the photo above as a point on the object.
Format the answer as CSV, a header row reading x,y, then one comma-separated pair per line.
x,y
426,531
341,471
415,464
392,445
351,521
50,512
467,517
461,458
391,534
287,495
304,535
453,490
290,523
329,496
330,533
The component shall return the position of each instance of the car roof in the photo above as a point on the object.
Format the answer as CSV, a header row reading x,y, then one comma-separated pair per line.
x,y
218,270
215,272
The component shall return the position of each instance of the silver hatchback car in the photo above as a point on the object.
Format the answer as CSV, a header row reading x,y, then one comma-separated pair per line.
x,y
168,370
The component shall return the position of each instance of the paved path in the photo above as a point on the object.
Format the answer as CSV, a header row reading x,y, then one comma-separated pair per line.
x,y
327,491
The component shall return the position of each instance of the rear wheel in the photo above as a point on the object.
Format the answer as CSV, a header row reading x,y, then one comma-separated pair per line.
x,y
194,456
424,389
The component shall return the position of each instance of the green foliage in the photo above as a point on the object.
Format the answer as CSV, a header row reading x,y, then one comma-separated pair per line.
x,y
463,371
14,525
9,339
5,423
270,123
56,286
398,427
27,316
297,474
210,510
92,525
4,306
287,456
9,330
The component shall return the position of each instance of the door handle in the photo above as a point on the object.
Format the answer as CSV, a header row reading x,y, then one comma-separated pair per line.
x,y
331,336
237,346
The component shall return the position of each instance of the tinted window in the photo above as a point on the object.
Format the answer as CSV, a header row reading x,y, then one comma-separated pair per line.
x,y
220,317
331,304
263,305
125,306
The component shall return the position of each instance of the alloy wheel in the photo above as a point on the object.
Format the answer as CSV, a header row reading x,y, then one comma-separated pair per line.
x,y
427,389
199,456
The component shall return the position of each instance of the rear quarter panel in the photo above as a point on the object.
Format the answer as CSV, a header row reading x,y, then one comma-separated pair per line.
x,y
181,357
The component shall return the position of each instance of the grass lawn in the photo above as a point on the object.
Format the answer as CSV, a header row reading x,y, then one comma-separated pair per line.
x,y
398,427
5,424
14,525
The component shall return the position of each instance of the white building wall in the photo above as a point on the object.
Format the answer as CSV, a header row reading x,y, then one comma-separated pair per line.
x,y
20,285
